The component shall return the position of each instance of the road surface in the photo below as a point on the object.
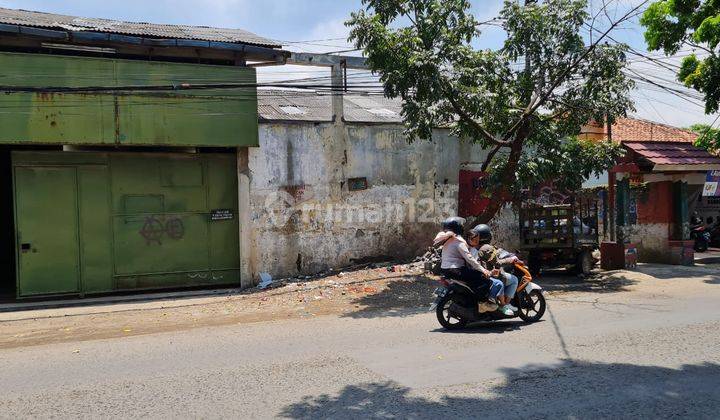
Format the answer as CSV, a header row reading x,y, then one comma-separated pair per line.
x,y
648,346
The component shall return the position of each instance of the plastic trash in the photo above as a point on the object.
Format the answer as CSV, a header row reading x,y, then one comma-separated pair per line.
x,y
265,281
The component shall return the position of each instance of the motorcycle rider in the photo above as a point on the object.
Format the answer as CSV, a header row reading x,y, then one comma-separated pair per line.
x,y
479,238
458,263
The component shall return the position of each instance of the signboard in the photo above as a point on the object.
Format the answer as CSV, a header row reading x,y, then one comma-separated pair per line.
x,y
221,214
711,184
636,180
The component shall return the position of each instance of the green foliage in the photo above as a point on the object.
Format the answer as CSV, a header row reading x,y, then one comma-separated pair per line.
x,y
674,24
525,100
572,162
709,138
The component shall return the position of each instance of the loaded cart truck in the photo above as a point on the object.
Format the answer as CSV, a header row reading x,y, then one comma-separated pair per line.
x,y
560,235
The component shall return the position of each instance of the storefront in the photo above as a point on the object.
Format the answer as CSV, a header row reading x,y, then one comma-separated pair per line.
x,y
658,187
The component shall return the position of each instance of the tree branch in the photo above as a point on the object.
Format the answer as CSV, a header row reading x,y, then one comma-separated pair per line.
x,y
700,47
543,98
489,158
469,119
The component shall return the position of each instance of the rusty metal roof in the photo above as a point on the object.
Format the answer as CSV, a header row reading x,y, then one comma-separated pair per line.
x,y
142,29
669,154
285,105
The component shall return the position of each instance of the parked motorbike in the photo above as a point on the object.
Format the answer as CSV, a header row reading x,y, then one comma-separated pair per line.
x,y
701,235
456,303
714,231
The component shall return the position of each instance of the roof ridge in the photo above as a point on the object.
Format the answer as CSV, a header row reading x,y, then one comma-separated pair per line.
x,y
661,124
177,25
43,19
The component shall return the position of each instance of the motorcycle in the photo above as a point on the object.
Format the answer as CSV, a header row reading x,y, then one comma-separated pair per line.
x,y
456,304
715,234
701,235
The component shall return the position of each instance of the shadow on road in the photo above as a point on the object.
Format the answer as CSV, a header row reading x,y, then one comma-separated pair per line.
x,y
600,282
497,327
679,272
406,296
571,390
412,294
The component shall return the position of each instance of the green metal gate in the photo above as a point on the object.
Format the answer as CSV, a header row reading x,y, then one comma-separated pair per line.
x,y
100,222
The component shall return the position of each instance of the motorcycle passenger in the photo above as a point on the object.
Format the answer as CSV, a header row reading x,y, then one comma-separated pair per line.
x,y
479,238
458,263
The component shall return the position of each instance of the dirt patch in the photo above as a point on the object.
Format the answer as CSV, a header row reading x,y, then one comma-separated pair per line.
x,y
395,288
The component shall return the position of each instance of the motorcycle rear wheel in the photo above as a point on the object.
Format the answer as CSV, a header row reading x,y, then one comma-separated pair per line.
x,y
532,306
448,321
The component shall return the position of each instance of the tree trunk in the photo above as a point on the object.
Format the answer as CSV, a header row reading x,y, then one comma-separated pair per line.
x,y
502,193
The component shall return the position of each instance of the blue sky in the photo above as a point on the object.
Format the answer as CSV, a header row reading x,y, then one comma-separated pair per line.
x,y
304,20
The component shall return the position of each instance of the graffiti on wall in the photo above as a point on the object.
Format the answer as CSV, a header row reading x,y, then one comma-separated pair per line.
x,y
155,229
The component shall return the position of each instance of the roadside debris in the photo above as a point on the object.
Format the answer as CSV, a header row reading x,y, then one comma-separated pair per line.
x,y
265,281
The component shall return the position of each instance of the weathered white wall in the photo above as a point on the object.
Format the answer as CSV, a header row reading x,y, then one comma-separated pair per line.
x,y
304,220
651,240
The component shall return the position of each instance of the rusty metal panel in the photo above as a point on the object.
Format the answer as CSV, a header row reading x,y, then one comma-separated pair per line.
x,y
54,118
225,118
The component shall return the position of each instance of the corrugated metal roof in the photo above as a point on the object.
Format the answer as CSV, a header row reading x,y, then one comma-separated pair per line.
x,y
74,23
673,153
284,105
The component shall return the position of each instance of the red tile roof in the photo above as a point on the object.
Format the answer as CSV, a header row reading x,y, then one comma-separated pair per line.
x,y
673,153
631,129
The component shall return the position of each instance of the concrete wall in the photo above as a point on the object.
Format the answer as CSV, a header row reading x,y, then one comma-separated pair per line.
x,y
304,219
652,241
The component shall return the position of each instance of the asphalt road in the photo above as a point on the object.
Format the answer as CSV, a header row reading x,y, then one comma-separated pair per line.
x,y
648,347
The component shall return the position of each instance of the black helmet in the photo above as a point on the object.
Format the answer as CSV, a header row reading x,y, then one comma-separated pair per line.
x,y
454,224
483,232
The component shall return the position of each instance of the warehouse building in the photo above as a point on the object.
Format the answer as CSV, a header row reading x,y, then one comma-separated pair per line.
x,y
117,174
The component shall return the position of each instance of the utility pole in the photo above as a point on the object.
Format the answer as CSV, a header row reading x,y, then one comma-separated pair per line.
x,y
611,185
338,66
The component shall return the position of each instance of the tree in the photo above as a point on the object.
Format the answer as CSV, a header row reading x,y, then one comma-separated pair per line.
x,y
708,137
525,103
675,24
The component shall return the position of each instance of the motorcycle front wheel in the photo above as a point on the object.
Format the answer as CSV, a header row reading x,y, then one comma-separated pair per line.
x,y
532,306
445,318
